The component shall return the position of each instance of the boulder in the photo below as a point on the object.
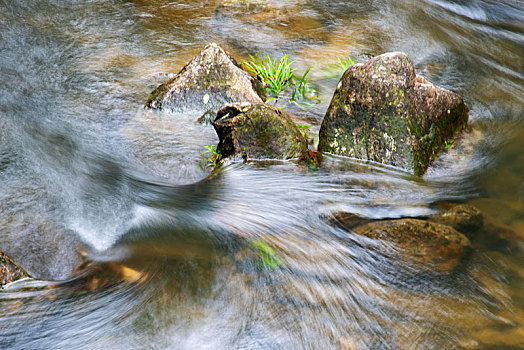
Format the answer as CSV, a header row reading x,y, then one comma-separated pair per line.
x,y
258,132
462,217
381,111
426,244
210,80
9,271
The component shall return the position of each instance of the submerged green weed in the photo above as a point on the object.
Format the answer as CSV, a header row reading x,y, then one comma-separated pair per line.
x,y
268,259
337,69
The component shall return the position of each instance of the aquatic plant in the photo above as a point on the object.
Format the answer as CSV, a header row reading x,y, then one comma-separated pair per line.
x,y
211,156
304,130
278,78
275,75
333,70
268,259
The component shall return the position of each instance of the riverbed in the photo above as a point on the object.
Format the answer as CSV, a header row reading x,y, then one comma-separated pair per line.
x,y
87,174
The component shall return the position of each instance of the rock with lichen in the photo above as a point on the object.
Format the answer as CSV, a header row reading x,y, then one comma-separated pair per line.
x,y
9,271
258,132
381,111
210,80
426,245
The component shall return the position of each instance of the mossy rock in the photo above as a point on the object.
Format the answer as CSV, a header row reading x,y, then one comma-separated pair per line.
x,y
426,245
210,80
258,132
381,111
9,271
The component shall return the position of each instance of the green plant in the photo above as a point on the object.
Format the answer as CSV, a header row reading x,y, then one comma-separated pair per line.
x,y
337,69
268,259
448,145
304,129
275,75
302,94
211,156
278,77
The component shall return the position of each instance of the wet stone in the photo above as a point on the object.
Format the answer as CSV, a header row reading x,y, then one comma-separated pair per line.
x,y
257,132
9,271
381,111
429,245
210,80
462,217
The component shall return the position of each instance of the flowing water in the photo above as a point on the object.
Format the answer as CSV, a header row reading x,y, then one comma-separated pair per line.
x,y
85,169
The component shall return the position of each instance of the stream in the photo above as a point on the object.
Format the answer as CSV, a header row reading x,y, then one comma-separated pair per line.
x,y
133,244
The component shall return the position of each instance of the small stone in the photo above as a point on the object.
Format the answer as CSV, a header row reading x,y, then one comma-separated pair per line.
x,y
9,271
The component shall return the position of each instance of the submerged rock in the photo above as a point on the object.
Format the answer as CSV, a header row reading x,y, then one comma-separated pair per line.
x,y
462,217
279,19
429,244
382,111
9,271
259,132
211,79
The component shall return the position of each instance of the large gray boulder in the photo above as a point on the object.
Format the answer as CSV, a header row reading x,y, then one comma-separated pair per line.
x,y
9,271
258,132
210,80
381,111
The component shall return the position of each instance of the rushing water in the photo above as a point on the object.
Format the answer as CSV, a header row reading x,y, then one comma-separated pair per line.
x,y
84,168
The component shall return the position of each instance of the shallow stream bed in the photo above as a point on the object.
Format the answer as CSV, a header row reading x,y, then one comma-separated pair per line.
x,y
85,169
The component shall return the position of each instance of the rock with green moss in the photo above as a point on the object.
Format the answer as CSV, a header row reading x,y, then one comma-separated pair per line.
x,y
426,245
9,271
210,80
258,132
381,111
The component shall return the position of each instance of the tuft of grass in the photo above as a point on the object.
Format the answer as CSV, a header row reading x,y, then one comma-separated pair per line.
x,y
276,76
279,80
211,156
337,69
304,130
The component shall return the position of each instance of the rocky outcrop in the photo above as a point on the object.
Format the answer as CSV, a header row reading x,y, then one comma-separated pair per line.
x,y
258,132
9,271
381,111
210,80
